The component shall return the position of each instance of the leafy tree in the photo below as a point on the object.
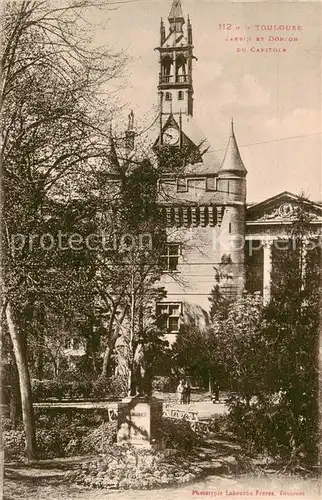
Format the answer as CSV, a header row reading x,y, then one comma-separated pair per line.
x,y
270,353
193,353
241,346
129,269
293,322
54,121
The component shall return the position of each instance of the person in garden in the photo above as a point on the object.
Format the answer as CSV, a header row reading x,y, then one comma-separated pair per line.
x,y
187,392
180,391
215,397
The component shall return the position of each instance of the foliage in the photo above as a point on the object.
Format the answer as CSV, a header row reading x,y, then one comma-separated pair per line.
x,y
221,425
164,384
57,388
98,440
265,425
177,434
54,122
114,386
80,387
175,160
241,347
270,353
63,435
76,432
196,351
14,444
125,467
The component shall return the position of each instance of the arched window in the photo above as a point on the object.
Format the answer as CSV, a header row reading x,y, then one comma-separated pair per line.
x,y
181,72
166,69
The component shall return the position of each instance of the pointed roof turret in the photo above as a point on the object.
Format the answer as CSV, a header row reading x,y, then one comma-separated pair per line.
x,y
232,161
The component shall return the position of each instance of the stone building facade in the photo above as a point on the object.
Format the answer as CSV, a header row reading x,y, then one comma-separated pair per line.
x,y
211,227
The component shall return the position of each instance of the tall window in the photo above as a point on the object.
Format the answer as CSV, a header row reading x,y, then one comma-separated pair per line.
x,y
170,257
180,95
168,316
168,96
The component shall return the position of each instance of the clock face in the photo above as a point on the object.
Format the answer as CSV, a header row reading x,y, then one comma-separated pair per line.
x,y
171,136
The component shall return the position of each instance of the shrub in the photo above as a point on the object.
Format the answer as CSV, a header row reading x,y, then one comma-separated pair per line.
x,y
220,424
125,467
267,425
14,444
117,386
163,384
44,389
62,436
76,386
99,439
177,434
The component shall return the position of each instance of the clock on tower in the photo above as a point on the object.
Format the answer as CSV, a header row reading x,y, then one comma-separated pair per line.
x,y
171,136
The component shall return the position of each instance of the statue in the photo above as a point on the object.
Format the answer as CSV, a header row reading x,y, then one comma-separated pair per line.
x,y
142,377
131,121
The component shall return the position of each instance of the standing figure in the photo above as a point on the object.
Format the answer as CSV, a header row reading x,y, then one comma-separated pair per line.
x,y
187,392
180,392
142,376
215,397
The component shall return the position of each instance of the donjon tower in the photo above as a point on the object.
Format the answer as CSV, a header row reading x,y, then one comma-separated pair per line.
x,y
204,205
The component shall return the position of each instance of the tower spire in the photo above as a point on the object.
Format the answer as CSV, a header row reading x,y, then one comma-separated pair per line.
x,y
176,18
176,10
232,161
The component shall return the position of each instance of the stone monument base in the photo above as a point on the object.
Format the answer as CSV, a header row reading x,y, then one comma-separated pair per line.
x,y
138,423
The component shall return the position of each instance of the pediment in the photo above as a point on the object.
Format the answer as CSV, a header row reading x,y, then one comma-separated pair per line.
x,y
282,208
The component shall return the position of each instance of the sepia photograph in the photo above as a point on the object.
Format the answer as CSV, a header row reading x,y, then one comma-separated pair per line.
x,y
161,249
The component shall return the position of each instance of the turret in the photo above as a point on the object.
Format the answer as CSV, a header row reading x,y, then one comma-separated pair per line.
x,y
232,172
231,183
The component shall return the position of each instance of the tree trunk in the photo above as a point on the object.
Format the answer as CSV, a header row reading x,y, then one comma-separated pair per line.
x,y
209,382
15,399
25,388
40,364
130,382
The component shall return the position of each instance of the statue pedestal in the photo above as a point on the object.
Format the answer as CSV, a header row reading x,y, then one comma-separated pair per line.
x,y
138,423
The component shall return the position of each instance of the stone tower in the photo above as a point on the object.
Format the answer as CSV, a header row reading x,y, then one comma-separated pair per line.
x,y
176,55
204,204
231,181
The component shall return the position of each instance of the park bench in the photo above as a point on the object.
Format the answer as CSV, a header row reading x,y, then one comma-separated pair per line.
x,y
191,416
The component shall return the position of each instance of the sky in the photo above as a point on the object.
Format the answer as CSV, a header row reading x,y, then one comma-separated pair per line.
x,y
274,97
